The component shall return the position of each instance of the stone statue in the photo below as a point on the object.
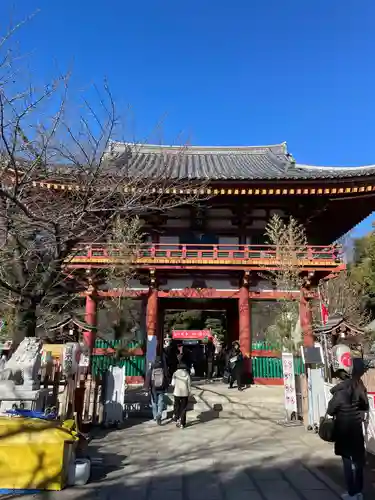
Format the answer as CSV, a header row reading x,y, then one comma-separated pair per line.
x,y
19,379
24,365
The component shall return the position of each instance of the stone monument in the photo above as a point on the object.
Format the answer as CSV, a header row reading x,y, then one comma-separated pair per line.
x,y
19,378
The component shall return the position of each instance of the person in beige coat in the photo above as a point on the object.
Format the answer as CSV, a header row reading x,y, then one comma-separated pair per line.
x,y
181,381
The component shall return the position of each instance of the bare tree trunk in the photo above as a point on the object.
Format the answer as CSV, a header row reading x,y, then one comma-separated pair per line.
x,y
25,320
3,222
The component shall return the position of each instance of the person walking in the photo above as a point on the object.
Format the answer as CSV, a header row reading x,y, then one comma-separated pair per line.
x,y
181,381
235,364
157,383
348,405
209,355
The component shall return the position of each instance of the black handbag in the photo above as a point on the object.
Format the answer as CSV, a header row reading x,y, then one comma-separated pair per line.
x,y
226,376
327,429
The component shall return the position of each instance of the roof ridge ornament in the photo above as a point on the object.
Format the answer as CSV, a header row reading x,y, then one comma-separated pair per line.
x,y
290,162
291,159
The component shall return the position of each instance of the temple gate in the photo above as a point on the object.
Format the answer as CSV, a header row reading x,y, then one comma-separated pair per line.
x,y
215,249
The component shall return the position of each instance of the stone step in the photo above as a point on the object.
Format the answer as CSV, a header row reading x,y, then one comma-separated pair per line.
x,y
208,403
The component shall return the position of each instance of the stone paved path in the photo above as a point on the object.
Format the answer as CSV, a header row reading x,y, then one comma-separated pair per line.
x,y
240,453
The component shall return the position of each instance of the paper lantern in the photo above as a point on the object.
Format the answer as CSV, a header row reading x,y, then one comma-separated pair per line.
x,y
342,358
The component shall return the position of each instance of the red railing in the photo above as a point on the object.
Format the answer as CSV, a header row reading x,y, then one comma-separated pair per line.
x,y
213,254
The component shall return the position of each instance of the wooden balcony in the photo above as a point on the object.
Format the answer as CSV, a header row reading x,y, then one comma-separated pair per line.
x,y
178,256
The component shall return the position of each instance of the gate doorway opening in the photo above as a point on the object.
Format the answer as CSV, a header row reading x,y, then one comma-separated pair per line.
x,y
219,316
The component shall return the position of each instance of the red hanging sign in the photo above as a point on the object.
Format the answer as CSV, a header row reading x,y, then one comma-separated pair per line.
x,y
191,334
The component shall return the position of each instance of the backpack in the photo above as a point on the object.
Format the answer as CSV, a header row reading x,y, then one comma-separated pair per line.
x,y
157,378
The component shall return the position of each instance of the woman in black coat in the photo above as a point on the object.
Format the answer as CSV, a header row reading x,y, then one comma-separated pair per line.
x,y
235,366
348,404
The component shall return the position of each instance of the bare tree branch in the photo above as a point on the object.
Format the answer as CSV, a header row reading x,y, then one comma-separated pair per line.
x,y
62,186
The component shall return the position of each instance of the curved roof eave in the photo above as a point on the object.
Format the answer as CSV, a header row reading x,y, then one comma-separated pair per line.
x,y
362,168
330,172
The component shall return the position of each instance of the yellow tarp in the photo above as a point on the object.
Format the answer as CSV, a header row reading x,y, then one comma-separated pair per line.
x,y
34,454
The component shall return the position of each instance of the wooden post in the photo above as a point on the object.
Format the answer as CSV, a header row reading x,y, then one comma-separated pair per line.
x,y
90,336
90,318
305,399
305,314
56,385
79,398
94,418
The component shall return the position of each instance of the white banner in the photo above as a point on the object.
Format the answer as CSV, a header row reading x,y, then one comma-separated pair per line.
x,y
290,395
370,425
114,403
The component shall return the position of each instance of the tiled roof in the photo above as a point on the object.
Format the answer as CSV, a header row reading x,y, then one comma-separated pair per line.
x,y
222,163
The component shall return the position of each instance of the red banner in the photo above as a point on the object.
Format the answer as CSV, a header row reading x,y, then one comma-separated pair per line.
x,y
324,311
191,334
323,308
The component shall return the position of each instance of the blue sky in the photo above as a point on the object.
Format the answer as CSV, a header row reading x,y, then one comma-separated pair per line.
x,y
217,72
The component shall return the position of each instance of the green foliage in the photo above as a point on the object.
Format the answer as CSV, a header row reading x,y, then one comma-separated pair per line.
x,y
183,320
263,314
282,333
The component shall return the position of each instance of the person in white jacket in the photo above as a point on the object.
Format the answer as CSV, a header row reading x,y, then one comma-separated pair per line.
x,y
181,381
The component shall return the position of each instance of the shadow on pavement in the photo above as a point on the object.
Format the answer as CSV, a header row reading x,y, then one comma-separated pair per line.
x,y
265,480
104,464
335,473
189,472
207,416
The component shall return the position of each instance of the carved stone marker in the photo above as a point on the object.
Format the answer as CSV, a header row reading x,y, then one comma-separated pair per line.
x,y
19,379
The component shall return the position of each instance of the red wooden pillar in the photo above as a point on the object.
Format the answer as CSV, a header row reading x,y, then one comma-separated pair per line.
x,y
245,330
152,312
152,324
305,316
90,318
244,321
